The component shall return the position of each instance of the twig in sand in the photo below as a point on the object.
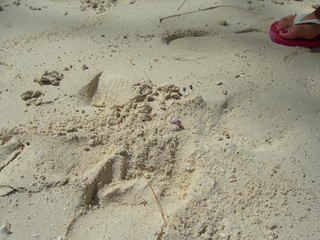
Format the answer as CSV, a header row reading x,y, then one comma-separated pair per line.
x,y
248,30
12,190
79,213
181,5
200,10
11,158
147,76
158,203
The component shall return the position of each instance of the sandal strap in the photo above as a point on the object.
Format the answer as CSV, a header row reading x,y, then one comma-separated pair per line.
x,y
298,20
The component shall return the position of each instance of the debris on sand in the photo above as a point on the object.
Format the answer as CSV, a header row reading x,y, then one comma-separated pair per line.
x,y
35,8
223,23
17,3
99,6
84,67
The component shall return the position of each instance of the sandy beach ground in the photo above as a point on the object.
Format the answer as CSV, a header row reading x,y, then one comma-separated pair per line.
x,y
117,122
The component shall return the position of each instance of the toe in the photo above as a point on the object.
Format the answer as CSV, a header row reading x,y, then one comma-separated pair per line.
x,y
290,33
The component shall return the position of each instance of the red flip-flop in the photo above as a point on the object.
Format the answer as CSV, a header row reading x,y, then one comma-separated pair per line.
x,y
275,37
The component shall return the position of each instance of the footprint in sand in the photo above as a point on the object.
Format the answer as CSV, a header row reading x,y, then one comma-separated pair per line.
x,y
216,34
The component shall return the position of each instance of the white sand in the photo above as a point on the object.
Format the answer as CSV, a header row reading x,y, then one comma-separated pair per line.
x,y
81,159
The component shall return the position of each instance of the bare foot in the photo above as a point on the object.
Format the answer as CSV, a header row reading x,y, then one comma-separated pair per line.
x,y
286,22
305,31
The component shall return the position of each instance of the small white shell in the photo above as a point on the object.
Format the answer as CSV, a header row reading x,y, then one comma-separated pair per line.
x,y
5,229
175,121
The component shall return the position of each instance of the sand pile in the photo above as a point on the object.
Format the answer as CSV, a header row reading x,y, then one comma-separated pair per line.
x,y
137,143
138,147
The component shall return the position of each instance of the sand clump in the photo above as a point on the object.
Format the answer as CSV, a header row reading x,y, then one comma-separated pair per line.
x,y
99,6
32,97
50,78
30,94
